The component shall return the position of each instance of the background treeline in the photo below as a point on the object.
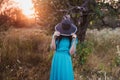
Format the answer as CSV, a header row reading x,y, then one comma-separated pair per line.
x,y
93,14
25,43
101,13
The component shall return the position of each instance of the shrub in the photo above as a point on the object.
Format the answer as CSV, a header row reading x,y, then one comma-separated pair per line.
x,y
83,51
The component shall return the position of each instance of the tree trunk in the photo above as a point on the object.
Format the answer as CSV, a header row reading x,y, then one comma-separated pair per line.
x,y
83,28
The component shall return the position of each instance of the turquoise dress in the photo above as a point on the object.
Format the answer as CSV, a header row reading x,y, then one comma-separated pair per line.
x,y
61,67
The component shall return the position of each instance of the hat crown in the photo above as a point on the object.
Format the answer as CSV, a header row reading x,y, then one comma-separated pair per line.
x,y
66,25
66,21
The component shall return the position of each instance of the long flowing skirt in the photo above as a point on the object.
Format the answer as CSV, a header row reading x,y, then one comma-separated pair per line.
x,y
61,67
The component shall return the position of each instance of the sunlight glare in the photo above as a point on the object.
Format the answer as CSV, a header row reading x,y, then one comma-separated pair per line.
x,y
27,7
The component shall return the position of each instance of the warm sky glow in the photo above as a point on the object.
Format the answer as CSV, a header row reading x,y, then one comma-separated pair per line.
x,y
26,6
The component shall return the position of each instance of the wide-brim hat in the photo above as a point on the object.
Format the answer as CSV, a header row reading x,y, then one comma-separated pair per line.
x,y
72,29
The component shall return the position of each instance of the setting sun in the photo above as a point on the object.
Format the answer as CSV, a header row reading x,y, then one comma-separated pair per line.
x,y
27,7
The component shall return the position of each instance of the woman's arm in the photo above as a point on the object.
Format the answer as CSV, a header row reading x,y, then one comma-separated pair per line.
x,y
73,46
53,43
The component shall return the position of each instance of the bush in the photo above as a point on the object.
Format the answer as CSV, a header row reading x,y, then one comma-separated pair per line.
x,y
83,51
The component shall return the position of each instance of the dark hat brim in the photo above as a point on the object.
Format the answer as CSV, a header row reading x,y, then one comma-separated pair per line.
x,y
73,29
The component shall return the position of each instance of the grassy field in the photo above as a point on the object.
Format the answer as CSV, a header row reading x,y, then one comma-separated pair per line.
x,y
26,55
104,61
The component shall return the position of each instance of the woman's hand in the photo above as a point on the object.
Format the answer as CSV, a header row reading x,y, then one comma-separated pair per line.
x,y
56,34
74,36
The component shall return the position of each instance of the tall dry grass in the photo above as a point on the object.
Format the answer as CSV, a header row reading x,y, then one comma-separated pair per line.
x,y
23,55
104,62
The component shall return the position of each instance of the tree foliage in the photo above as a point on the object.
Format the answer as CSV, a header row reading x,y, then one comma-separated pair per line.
x,y
49,12
80,18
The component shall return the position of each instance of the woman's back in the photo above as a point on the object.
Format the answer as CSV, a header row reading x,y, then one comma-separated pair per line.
x,y
63,44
